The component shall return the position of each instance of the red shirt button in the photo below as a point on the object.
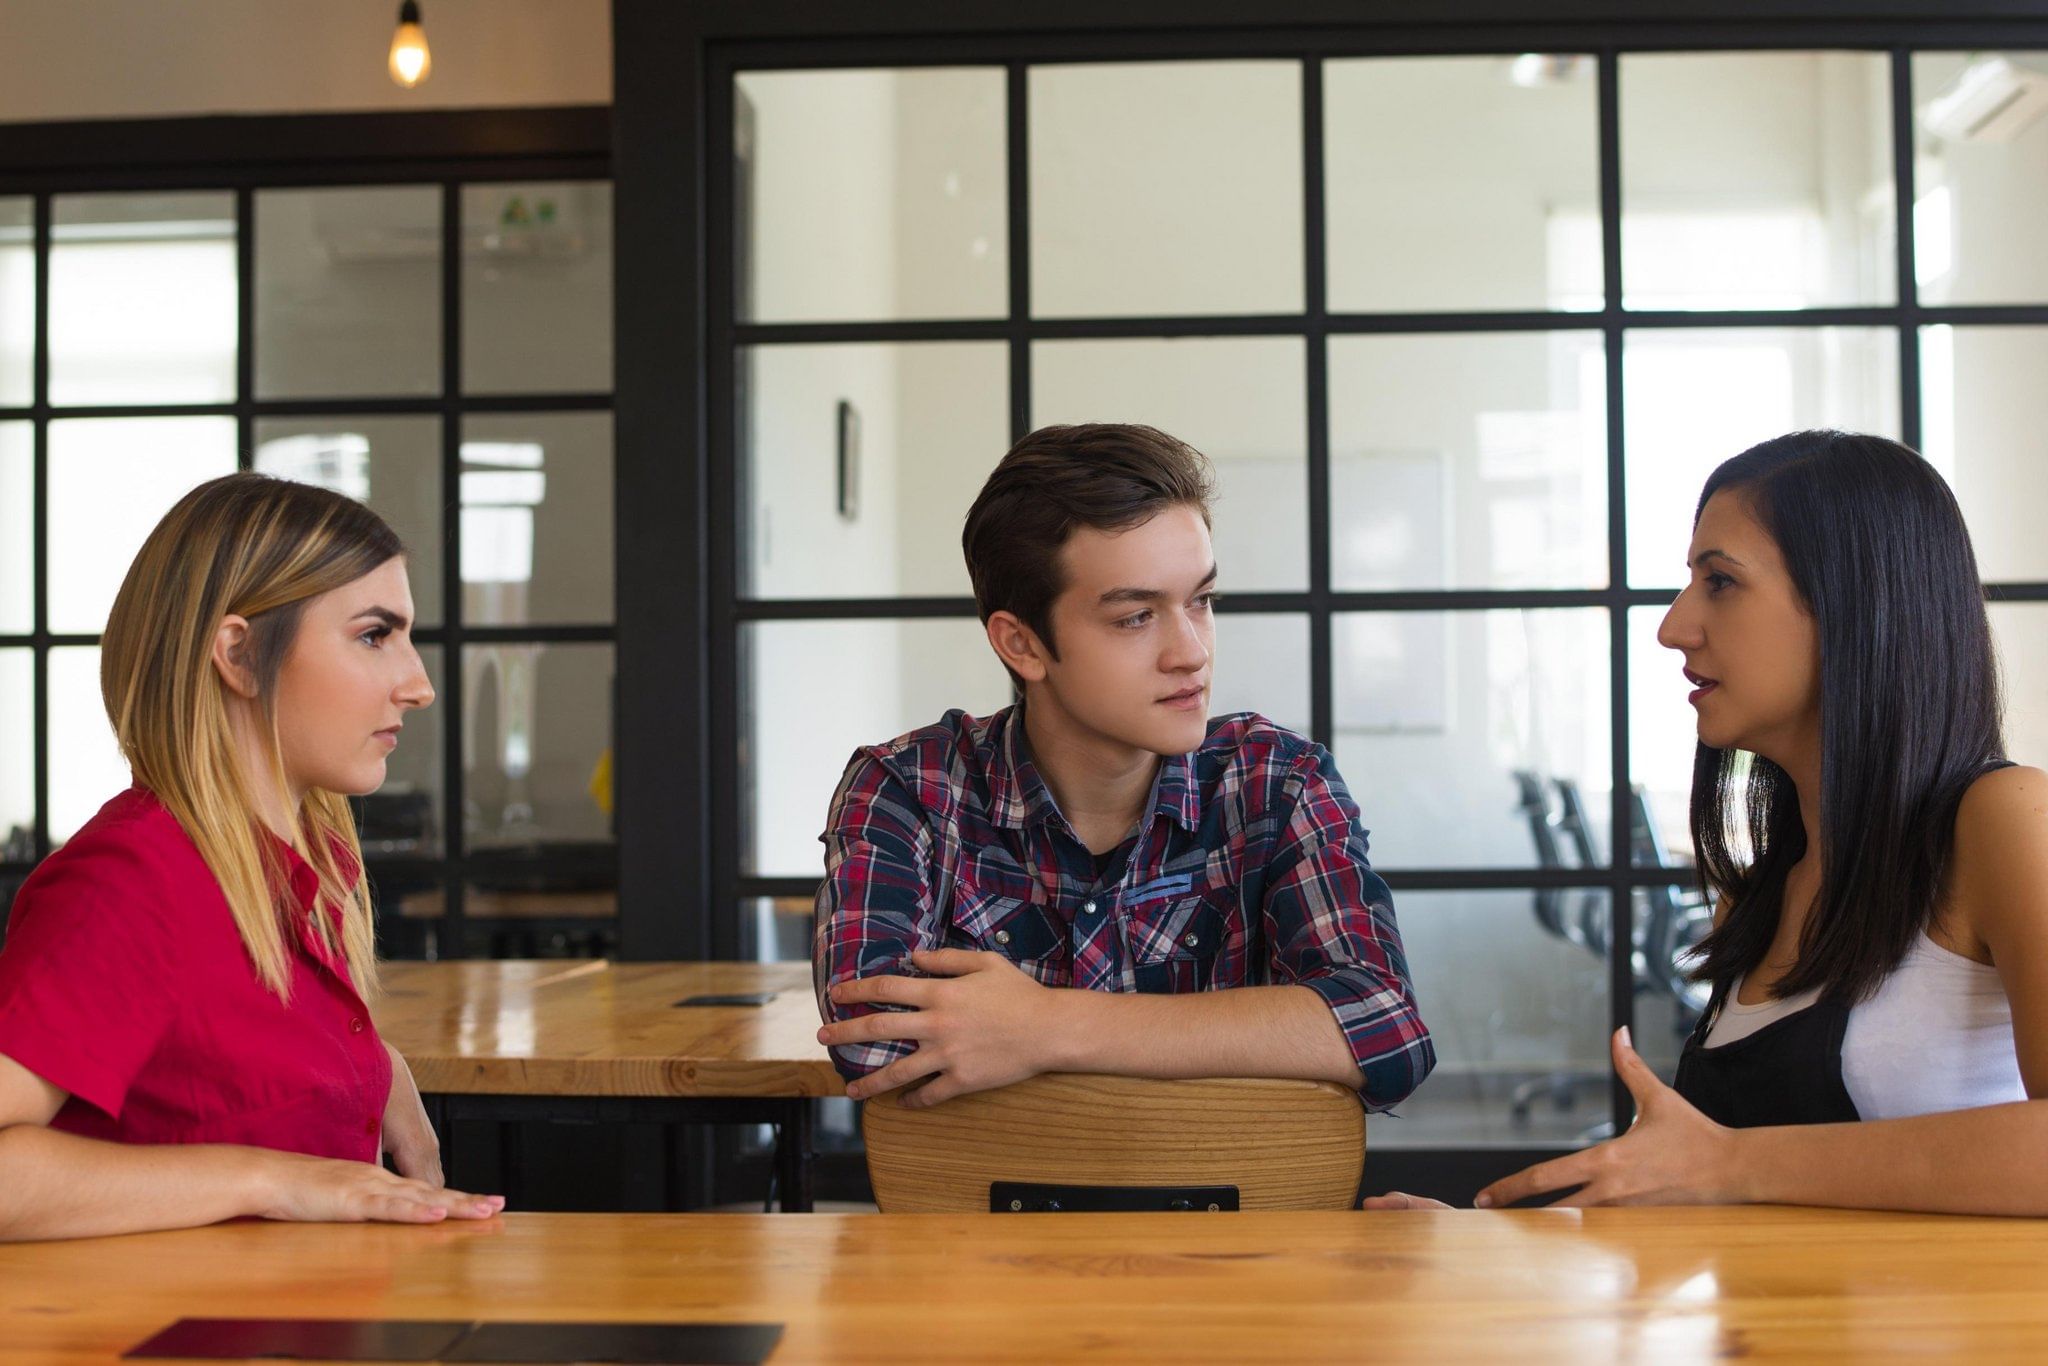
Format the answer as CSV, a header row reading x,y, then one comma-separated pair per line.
x,y
355,1025
371,1126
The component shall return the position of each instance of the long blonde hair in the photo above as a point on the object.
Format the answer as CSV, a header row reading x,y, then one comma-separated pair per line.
x,y
260,548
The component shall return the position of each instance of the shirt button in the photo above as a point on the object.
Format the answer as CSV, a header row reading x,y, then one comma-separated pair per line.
x,y
1002,936
1088,908
1191,940
371,1126
355,1025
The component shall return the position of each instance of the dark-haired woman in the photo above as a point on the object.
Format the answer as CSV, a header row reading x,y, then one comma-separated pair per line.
x,y
1877,1034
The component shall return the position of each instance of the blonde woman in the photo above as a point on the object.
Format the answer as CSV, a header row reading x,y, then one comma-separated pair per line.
x,y
184,1034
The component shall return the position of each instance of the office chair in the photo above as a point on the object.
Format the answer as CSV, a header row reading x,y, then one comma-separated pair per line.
x,y
1074,1141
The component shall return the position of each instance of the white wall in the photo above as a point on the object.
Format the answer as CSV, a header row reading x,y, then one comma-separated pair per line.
x,y
92,59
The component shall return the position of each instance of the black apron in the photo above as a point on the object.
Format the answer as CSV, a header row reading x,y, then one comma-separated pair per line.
x,y
1788,1072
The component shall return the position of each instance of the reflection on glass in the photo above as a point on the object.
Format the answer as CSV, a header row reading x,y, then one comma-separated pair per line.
x,y
1663,734
391,463
1980,152
1441,716
1261,665
17,528
776,929
1696,397
537,518
1756,180
17,743
537,288
402,819
2020,632
111,481
1981,415
1462,183
860,463
142,298
537,748
17,302
871,195
1468,461
1518,1012
86,767
348,291
852,683
1239,400
1162,188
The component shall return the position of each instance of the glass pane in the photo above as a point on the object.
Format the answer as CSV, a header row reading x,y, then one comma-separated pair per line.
x,y
1261,665
391,463
1468,461
1696,397
348,291
871,194
1663,733
860,463
1756,180
1242,401
537,748
17,528
2020,631
1462,183
142,298
776,929
17,756
1981,410
1445,720
537,288
1979,145
403,818
1162,188
910,674
86,767
1669,921
537,518
1518,1011
94,532
547,914
17,302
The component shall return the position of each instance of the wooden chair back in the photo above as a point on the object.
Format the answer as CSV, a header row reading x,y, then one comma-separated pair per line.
x,y
1284,1144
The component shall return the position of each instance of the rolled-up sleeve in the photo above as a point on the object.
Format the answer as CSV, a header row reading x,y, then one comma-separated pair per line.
x,y
875,906
1329,922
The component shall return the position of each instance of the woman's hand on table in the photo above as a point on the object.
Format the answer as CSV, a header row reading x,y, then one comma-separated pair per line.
x,y
306,1189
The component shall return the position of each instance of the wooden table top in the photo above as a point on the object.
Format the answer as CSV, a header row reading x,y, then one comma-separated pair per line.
x,y
589,1027
1658,1285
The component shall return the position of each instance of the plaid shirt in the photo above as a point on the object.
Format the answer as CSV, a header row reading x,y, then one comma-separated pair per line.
x,y
1251,869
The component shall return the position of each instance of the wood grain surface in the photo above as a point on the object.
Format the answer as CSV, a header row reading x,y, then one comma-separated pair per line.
x,y
1656,1285
568,1027
1283,1144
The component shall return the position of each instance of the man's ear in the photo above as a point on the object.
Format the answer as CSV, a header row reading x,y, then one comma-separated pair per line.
x,y
1018,646
230,648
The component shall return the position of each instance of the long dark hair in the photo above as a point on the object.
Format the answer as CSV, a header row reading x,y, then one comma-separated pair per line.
x,y
1877,550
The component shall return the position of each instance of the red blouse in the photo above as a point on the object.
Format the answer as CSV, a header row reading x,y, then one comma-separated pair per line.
x,y
124,981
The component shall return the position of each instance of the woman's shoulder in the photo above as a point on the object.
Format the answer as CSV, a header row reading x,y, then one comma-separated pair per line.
x,y
132,845
2006,801
2000,858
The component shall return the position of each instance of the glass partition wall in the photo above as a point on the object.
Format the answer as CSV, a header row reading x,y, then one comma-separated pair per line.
x,y
438,344
1463,334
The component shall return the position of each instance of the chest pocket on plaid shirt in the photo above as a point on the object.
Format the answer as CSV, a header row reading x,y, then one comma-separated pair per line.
x,y
1174,942
1019,930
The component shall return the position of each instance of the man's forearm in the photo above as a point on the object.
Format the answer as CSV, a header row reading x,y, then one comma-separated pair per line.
x,y
1285,1031
1985,1161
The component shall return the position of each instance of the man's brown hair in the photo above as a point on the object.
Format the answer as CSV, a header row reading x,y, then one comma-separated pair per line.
x,y
1106,475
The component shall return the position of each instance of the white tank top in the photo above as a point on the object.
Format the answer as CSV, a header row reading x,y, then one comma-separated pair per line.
x,y
1936,1036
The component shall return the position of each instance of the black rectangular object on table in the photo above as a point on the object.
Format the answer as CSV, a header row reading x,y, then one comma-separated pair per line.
x,y
1032,1197
730,998
303,1339
697,1344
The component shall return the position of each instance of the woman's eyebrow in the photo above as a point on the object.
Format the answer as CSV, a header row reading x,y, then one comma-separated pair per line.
x,y
395,620
1723,555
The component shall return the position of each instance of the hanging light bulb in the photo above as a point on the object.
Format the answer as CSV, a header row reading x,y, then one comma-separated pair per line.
x,y
410,61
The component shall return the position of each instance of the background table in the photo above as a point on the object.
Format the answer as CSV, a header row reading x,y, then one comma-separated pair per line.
x,y
1664,1286
594,1041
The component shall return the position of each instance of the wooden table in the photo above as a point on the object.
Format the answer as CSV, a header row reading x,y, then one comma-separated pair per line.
x,y
1663,1286
600,1042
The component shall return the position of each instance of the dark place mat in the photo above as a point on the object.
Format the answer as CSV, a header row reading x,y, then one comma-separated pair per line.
x,y
317,1339
687,1344
698,1344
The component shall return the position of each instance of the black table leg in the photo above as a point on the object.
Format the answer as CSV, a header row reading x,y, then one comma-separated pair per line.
x,y
793,1157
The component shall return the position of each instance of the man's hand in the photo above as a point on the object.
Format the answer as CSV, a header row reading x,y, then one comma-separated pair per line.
x,y
978,1023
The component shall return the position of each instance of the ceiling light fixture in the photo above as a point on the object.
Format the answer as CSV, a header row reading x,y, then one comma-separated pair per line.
x,y
410,60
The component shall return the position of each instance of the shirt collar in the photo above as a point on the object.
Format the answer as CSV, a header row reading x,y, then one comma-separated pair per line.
x,y
1019,798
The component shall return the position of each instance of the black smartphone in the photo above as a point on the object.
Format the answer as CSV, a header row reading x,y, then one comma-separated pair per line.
x,y
737,998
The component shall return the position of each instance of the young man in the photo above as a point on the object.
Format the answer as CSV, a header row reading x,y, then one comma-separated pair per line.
x,y
1099,878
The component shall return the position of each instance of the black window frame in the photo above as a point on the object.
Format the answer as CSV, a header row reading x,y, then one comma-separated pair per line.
x,y
681,684
246,155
